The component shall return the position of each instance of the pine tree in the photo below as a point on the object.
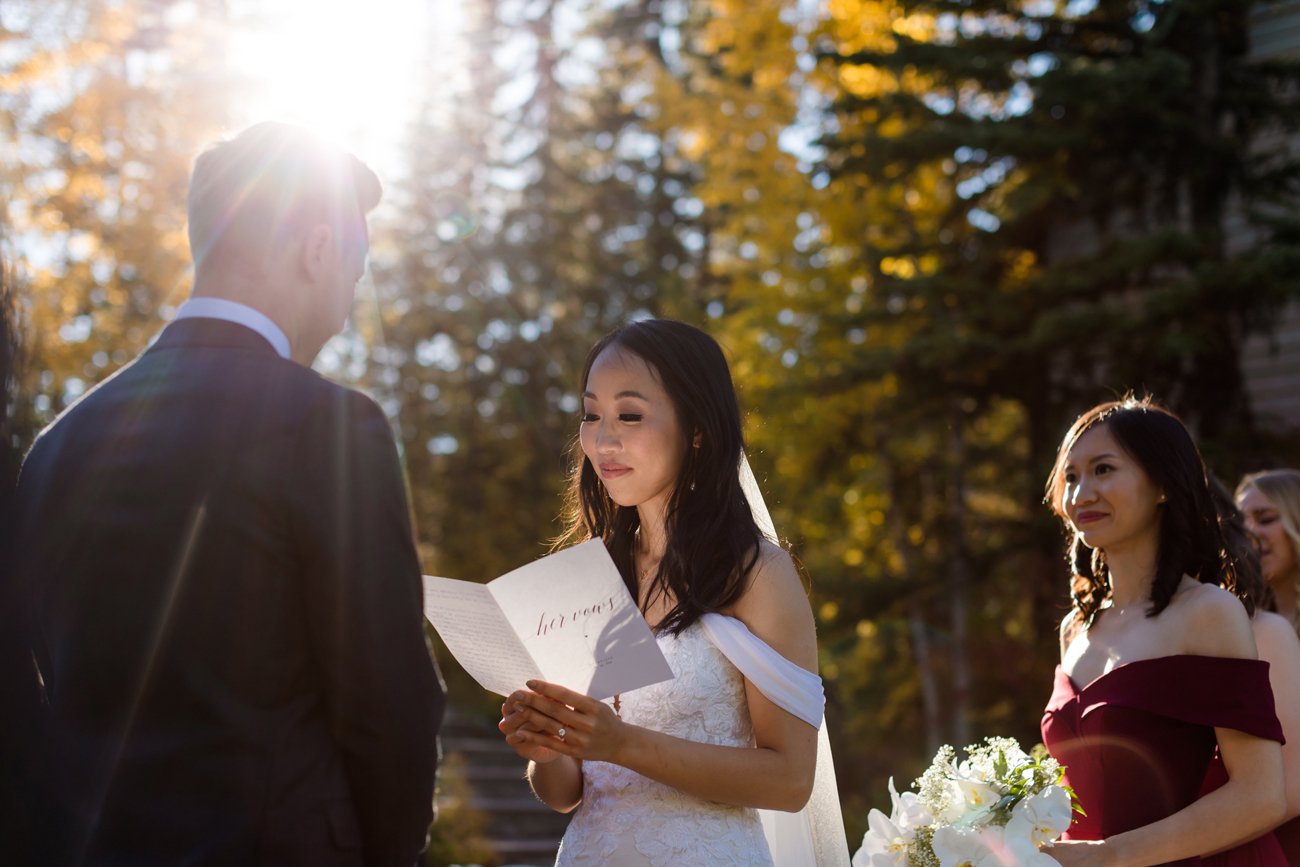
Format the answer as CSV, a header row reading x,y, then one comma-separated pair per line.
x,y
524,233
1043,198
1016,209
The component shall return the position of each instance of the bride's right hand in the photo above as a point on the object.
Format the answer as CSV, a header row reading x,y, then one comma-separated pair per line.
x,y
513,720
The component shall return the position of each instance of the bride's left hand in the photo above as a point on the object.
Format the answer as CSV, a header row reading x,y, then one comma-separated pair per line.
x,y
591,729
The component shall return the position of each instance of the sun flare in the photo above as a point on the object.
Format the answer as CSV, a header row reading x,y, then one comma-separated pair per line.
x,y
352,71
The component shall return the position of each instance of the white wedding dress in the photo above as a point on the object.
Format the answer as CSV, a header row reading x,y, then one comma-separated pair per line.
x,y
627,820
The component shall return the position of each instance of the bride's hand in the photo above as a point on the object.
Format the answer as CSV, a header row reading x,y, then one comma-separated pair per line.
x,y
514,721
568,723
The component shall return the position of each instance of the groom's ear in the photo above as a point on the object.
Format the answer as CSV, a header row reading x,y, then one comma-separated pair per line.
x,y
317,256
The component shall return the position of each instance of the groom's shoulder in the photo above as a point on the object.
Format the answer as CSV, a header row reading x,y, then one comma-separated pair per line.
x,y
70,415
322,392
343,433
330,406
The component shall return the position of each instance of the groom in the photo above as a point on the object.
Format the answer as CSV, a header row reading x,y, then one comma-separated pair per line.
x,y
216,549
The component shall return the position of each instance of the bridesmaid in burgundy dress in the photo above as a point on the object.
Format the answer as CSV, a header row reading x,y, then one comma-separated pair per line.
x,y
1157,663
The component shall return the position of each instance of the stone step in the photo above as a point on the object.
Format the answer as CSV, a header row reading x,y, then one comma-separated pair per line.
x,y
486,741
523,824
460,724
532,852
509,804
493,773
481,749
511,788
522,830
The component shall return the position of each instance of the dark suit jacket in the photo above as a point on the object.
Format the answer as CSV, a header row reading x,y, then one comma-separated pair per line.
x,y
21,697
217,546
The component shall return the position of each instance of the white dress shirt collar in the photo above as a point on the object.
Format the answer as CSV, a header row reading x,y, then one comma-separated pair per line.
x,y
240,314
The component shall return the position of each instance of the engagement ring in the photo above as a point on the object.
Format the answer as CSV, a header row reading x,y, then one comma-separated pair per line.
x,y
561,733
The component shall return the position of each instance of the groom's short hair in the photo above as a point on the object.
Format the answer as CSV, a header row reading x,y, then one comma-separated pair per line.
x,y
249,194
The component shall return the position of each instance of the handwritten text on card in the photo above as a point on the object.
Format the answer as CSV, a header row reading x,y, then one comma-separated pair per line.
x,y
555,622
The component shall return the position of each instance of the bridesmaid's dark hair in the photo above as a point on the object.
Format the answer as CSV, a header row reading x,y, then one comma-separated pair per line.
x,y
8,381
1240,545
1191,540
712,541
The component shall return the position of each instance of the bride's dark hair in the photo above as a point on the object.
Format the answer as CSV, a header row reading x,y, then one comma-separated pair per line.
x,y
712,542
1191,540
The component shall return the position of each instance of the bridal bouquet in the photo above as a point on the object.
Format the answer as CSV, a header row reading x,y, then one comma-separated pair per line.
x,y
995,809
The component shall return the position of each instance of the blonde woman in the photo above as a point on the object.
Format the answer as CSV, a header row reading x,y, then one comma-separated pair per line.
x,y
1270,501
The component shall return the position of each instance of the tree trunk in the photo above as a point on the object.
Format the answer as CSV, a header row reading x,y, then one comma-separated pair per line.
x,y
959,578
904,499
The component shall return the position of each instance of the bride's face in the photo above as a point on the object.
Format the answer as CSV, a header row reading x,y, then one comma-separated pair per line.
x,y
630,431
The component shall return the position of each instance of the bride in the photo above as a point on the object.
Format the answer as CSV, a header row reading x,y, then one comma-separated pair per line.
x,y
681,772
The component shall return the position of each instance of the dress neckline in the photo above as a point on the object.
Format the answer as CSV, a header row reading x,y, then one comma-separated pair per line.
x,y
1080,690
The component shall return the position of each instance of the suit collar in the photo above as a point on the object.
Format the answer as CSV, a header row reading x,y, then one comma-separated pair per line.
x,y
212,333
207,307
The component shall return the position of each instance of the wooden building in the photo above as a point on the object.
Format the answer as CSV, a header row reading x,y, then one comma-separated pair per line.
x,y
1271,362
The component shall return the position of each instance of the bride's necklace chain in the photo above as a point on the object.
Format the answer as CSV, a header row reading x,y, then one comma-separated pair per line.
x,y
643,575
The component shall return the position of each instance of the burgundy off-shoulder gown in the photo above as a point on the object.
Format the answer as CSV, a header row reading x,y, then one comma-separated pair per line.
x,y
1137,742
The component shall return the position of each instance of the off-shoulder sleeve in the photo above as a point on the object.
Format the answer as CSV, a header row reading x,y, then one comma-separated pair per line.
x,y
815,835
785,684
1203,690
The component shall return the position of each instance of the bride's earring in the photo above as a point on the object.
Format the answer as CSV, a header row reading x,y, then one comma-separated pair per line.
x,y
695,445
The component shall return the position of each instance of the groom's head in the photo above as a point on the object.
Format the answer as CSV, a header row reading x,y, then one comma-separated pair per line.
x,y
277,220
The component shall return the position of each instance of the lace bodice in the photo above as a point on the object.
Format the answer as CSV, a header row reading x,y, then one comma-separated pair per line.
x,y
626,819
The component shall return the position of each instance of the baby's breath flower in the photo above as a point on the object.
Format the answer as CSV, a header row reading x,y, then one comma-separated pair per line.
x,y
921,851
936,789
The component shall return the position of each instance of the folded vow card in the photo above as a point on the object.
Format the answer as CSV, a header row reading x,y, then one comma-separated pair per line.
x,y
566,618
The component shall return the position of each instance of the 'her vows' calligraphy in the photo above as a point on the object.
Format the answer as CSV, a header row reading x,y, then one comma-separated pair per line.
x,y
556,622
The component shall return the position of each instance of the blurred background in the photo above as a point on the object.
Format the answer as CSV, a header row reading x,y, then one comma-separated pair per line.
x,y
928,235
